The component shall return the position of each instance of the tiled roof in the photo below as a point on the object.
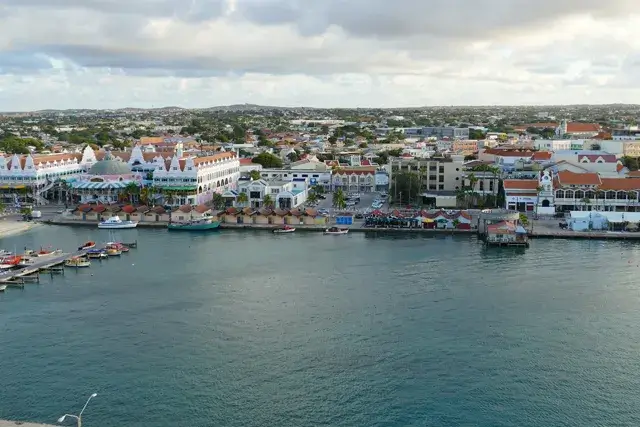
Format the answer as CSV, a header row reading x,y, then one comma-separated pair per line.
x,y
246,162
620,184
202,209
520,184
575,127
129,209
214,157
634,174
593,158
572,178
542,155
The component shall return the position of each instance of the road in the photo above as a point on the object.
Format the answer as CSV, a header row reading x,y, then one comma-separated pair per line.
x,y
366,199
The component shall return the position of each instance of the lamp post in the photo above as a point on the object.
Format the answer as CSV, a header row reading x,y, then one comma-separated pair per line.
x,y
79,416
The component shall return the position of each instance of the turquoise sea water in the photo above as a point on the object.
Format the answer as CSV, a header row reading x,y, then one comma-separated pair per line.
x,y
251,329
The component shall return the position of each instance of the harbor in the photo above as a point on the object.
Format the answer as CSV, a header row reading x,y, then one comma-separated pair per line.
x,y
55,262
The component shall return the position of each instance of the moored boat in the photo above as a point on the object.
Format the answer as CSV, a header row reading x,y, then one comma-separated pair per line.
x,y
113,252
97,254
77,262
117,246
87,245
285,229
3,288
336,231
202,224
116,223
9,262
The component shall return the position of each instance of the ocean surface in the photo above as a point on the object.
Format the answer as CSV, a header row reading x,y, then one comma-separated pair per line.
x,y
238,328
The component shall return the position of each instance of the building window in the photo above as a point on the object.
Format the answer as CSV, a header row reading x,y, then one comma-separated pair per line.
x,y
441,169
441,178
441,187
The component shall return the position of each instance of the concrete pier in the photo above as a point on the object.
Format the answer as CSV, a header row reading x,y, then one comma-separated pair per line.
x,y
5,423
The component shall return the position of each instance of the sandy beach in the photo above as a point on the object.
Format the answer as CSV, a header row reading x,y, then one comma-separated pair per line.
x,y
10,227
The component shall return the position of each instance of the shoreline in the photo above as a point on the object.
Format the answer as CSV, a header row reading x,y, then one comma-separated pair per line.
x,y
271,227
12,227
573,235
8,423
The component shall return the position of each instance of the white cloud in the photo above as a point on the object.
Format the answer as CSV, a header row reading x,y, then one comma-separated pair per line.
x,y
108,54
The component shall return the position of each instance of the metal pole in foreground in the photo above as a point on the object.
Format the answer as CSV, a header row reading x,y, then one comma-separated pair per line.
x,y
79,416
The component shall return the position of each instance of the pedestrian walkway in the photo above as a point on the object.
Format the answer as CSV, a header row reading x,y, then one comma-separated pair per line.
x,y
4,423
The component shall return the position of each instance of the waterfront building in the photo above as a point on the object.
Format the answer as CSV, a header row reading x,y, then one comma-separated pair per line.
x,y
315,176
589,191
193,180
282,194
104,182
438,173
355,179
34,176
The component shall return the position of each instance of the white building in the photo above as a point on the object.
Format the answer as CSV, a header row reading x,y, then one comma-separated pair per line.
x,y
552,145
315,177
282,194
194,180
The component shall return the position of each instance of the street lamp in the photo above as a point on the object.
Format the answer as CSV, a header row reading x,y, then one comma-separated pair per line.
x,y
79,416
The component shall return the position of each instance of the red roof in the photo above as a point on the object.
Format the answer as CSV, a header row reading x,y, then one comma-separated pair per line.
x,y
520,184
246,162
575,127
572,178
542,155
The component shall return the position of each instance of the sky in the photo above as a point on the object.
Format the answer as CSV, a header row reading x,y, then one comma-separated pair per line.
x,y
64,54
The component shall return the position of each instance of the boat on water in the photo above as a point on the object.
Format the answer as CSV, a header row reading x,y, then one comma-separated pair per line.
x,y
201,224
336,231
113,252
97,254
3,288
116,223
117,245
87,245
77,262
285,229
9,262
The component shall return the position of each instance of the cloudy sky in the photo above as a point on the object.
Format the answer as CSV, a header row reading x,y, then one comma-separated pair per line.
x,y
324,53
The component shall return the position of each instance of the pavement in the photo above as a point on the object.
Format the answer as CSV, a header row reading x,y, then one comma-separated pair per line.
x,y
5,423
366,199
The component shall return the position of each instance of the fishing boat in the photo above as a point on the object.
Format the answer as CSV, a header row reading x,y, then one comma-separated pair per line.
x,y
336,231
3,288
201,224
77,262
116,223
9,262
87,245
285,229
97,254
117,245
113,252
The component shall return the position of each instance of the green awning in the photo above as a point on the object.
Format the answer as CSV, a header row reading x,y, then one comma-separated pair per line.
x,y
178,188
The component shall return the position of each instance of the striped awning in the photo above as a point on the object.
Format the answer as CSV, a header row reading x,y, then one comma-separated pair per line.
x,y
99,185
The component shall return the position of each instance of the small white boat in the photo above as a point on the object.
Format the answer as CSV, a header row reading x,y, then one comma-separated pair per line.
x,y
336,231
116,223
3,288
285,229
77,263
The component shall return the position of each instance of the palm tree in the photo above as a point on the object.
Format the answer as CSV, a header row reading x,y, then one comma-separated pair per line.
x,y
168,196
461,196
600,195
538,191
339,200
242,199
145,195
217,201
130,191
631,197
267,201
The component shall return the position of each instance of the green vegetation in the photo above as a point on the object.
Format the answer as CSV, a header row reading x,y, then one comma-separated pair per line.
x,y
339,199
15,145
406,187
268,160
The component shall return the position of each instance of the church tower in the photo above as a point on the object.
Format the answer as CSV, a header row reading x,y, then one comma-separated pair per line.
x,y
545,204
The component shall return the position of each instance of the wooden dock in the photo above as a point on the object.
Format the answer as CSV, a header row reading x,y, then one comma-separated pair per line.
x,y
31,273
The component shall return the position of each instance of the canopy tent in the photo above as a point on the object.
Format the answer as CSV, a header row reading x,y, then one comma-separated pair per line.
x,y
88,185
